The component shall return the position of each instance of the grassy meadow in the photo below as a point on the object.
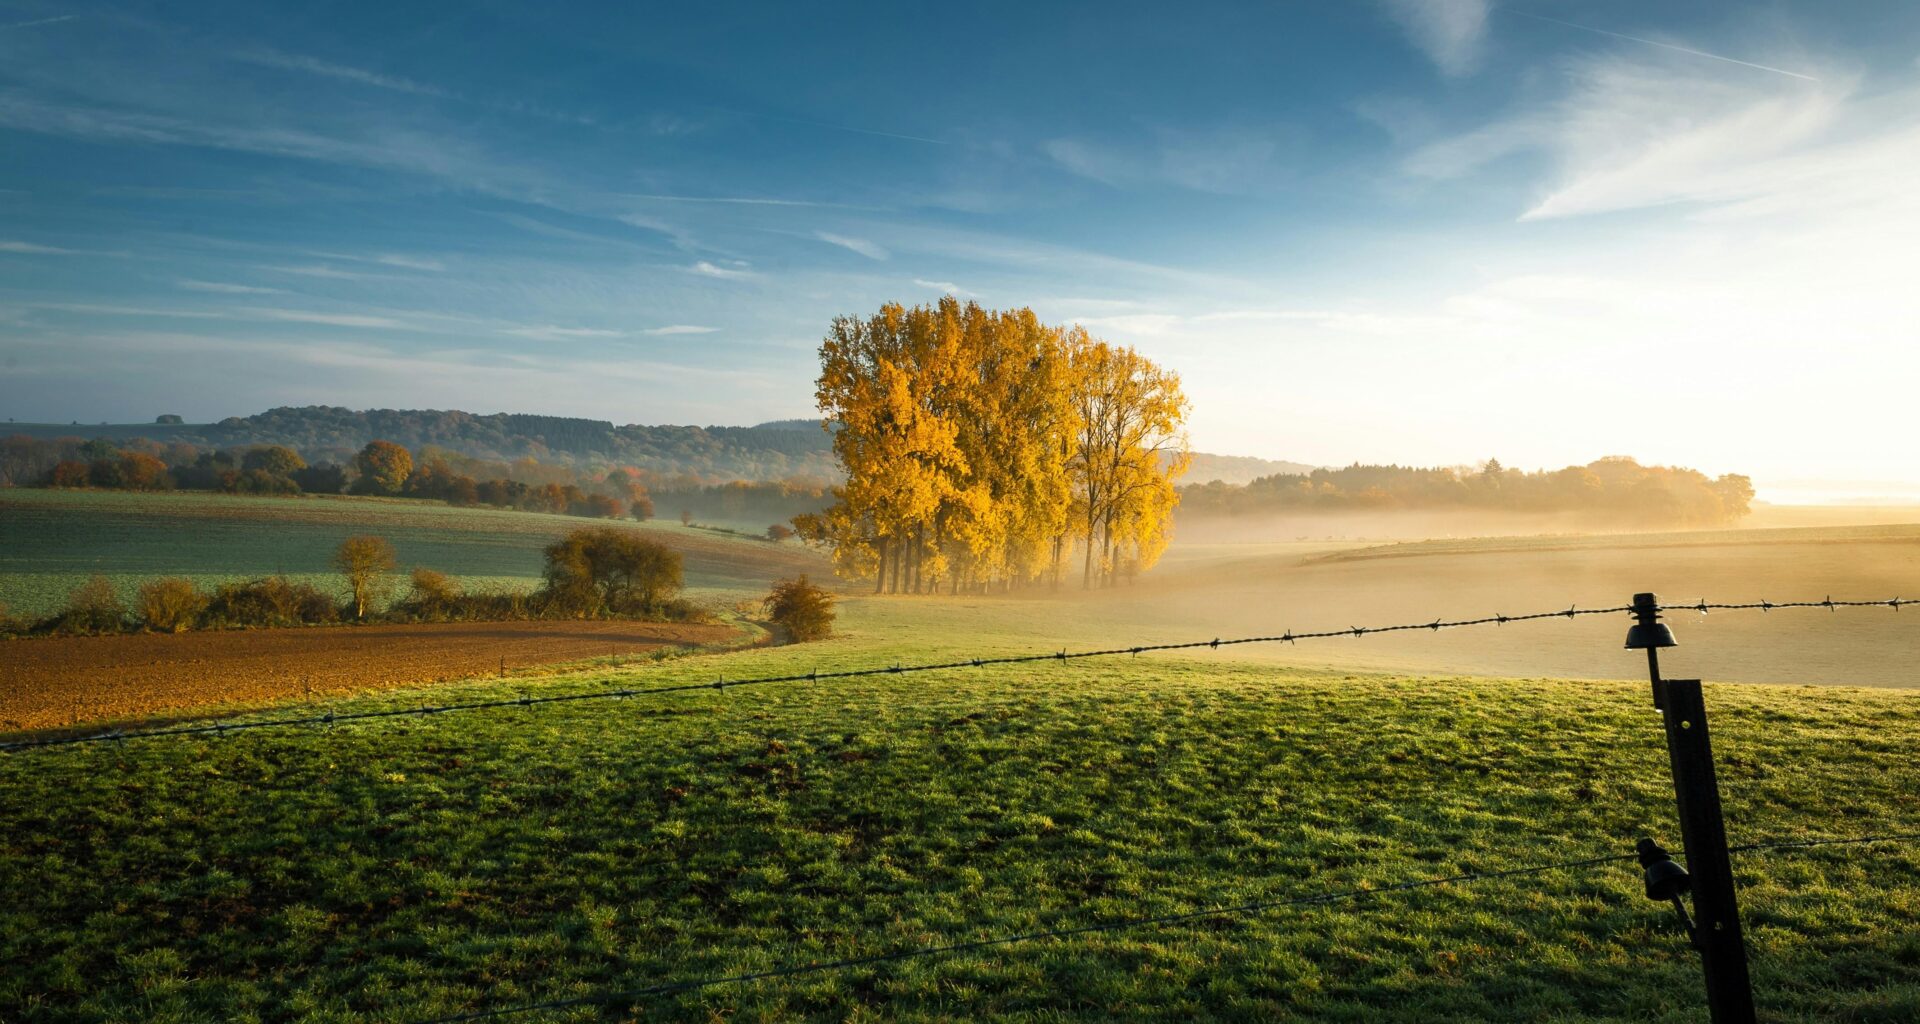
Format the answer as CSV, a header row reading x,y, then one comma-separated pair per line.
x,y
51,541
412,868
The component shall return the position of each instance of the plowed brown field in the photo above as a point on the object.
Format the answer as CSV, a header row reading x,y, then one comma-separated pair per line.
x,y
61,681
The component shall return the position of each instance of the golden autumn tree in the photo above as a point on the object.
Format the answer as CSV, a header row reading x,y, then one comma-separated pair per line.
x,y
961,432
1132,447
878,378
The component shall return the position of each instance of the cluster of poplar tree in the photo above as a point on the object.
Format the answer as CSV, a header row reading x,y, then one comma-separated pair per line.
x,y
985,450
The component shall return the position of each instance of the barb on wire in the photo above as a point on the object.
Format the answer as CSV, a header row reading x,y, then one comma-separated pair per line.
x,y
1236,910
1703,606
1288,637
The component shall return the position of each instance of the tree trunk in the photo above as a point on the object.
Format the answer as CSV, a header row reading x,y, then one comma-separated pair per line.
x,y
880,574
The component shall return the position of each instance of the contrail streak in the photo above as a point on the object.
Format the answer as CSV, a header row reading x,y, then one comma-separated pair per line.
x,y
1664,46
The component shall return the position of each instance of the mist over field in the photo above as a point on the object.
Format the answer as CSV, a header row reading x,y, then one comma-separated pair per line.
x,y
1403,511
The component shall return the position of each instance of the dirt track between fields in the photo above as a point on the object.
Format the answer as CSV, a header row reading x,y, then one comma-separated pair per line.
x,y
56,682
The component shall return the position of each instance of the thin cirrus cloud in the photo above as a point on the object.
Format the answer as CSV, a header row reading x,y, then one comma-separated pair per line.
x,y
1633,133
549,332
865,248
1449,32
38,22
673,329
328,69
707,268
410,262
944,286
1675,47
262,313
228,288
322,270
32,249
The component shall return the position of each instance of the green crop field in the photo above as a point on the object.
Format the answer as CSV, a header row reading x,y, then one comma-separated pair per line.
x,y
410,868
50,541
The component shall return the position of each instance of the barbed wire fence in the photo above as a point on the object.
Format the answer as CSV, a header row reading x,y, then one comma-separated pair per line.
x,y
1645,608
224,727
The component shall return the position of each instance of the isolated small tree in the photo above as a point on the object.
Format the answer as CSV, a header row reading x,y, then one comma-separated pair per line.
x,y
805,610
779,532
384,468
365,561
642,508
169,604
686,517
606,569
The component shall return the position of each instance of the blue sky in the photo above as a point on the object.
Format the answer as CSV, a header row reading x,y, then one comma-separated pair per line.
x,y
1409,230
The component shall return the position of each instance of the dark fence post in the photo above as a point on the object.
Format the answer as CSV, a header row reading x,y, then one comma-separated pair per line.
x,y
1696,792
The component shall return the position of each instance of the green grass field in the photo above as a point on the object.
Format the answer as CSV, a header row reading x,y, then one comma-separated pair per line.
x,y
50,541
405,869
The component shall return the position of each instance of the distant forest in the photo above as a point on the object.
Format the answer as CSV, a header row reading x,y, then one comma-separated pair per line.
x,y
1609,491
789,449
781,450
383,468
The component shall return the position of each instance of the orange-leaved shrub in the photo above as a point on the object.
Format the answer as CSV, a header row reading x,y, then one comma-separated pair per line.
x,y
169,604
804,609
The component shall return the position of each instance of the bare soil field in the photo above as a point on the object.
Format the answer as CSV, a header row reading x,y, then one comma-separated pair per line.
x,y
60,681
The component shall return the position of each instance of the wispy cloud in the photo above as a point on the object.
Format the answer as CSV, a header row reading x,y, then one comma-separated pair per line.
x,y
1224,160
1639,132
554,333
38,21
730,200
322,270
445,157
30,248
1675,47
225,288
1449,32
943,286
315,66
329,319
410,262
830,126
707,268
1145,324
859,245
673,329
262,313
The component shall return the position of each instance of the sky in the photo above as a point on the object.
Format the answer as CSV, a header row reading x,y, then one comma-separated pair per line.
x,y
1413,231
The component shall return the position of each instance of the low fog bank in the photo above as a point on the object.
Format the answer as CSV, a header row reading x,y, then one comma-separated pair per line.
x,y
1236,588
1455,524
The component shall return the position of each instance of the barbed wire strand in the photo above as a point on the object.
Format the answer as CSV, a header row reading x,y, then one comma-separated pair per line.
x,y
221,728
1240,909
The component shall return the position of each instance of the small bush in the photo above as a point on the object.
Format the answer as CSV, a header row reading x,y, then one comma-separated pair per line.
x,y
779,532
169,605
805,610
274,601
433,597
92,607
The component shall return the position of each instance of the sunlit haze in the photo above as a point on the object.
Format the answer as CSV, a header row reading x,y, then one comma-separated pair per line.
x,y
1425,233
